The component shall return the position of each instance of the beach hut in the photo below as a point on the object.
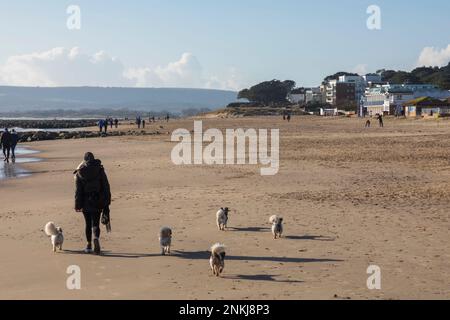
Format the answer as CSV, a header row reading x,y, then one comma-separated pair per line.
x,y
427,106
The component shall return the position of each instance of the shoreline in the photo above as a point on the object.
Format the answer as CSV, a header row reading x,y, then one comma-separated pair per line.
x,y
17,169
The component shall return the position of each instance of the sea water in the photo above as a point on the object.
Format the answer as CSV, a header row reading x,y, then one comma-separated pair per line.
x,y
15,170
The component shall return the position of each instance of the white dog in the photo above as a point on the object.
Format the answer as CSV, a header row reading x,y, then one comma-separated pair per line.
x,y
56,235
165,240
277,226
222,218
217,260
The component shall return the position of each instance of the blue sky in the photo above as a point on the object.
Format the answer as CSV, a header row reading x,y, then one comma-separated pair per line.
x,y
219,44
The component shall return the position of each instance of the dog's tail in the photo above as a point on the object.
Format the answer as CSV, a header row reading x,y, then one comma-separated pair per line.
x,y
165,232
50,229
218,250
273,219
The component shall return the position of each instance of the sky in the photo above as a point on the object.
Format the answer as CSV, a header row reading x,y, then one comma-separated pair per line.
x,y
229,44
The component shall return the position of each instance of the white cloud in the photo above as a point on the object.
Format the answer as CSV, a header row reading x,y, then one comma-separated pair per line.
x,y
70,67
434,57
186,72
360,69
62,67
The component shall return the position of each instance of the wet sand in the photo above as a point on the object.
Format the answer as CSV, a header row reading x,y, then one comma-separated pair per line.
x,y
350,198
14,169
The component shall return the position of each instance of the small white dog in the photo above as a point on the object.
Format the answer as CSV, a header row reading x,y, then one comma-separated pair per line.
x,y
277,226
165,240
222,218
217,260
56,235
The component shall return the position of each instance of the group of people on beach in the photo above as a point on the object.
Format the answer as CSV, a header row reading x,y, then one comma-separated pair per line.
x,y
141,122
103,124
287,117
379,117
8,143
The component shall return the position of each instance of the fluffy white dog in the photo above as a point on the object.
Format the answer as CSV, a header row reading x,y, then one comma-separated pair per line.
x,y
217,260
165,240
277,226
56,235
222,218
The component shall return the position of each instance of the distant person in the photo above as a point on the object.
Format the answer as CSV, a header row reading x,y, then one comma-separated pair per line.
x,y
116,123
111,122
143,124
5,141
153,119
289,118
284,117
138,122
106,126
100,125
167,118
380,120
14,141
368,124
92,197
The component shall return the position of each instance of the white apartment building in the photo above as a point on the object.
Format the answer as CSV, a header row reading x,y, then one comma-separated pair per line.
x,y
330,92
360,83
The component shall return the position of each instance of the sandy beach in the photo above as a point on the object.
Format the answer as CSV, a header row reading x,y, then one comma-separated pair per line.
x,y
351,197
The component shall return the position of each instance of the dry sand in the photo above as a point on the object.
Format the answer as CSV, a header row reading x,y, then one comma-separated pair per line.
x,y
350,198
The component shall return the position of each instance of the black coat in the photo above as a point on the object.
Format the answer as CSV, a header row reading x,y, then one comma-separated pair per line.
x,y
92,191
6,139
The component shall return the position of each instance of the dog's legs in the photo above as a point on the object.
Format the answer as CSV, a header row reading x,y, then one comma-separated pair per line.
x,y
60,247
54,248
168,250
163,251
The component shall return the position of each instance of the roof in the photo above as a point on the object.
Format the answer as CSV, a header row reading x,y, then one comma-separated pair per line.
x,y
427,102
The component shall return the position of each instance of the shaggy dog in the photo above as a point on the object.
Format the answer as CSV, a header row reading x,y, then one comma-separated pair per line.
x,y
277,226
217,260
222,218
165,240
56,235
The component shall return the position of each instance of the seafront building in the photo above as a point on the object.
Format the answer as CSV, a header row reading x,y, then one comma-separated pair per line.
x,y
391,98
347,92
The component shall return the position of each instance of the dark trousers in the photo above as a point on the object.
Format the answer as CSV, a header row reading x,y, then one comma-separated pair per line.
x,y
13,151
6,150
92,219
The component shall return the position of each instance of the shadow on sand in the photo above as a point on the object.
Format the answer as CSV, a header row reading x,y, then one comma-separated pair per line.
x,y
315,238
249,229
202,255
260,277
196,255
264,229
109,254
